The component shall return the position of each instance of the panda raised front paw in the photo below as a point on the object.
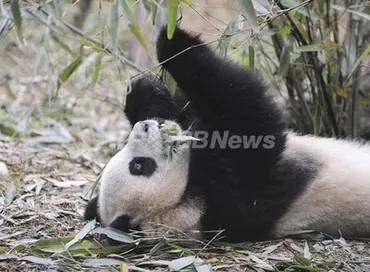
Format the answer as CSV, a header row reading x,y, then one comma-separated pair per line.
x,y
181,40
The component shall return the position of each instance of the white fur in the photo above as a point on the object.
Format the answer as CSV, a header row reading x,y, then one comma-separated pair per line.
x,y
338,199
148,200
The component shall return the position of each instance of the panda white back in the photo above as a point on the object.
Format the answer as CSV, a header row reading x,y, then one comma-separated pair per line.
x,y
337,200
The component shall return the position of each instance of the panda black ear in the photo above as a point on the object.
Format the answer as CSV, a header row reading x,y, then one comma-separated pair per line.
x,y
91,211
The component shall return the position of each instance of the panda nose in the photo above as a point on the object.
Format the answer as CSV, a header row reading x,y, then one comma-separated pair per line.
x,y
146,127
160,121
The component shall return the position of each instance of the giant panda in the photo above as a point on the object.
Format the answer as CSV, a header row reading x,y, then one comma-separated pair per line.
x,y
282,185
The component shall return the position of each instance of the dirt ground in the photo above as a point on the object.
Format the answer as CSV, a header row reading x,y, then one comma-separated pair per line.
x,y
54,145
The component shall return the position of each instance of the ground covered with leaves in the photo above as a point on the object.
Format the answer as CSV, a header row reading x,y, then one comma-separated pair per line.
x,y
41,225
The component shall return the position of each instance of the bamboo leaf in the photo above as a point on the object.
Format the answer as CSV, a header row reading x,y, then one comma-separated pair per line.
x,y
123,267
93,46
115,234
262,6
285,31
9,131
359,60
97,69
251,56
261,264
114,23
133,25
51,243
284,60
317,119
8,257
320,5
320,47
173,7
135,29
364,100
151,7
355,12
187,2
306,251
63,45
203,268
232,27
302,260
127,11
83,232
173,86
1,7
249,13
84,247
300,9
9,194
154,13
102,262
17,17
148,5
350,46
181,263
38,260
68,71
182,249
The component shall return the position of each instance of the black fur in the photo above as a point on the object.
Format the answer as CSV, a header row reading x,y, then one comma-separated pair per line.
x,y
91,210
123,223
142,166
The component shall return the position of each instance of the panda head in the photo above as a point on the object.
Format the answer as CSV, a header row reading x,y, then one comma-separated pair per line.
x,y
146,176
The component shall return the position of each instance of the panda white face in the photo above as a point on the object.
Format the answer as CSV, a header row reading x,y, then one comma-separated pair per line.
x,y
141,180
146,139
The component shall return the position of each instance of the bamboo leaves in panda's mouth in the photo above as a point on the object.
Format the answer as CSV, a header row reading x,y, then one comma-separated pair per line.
x,y
175,138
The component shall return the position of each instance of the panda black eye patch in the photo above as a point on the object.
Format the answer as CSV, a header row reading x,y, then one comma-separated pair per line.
x,y
142,166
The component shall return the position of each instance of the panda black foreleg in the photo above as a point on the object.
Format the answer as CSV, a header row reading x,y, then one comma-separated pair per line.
x,y
227,98
223,92
91,210
123,222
